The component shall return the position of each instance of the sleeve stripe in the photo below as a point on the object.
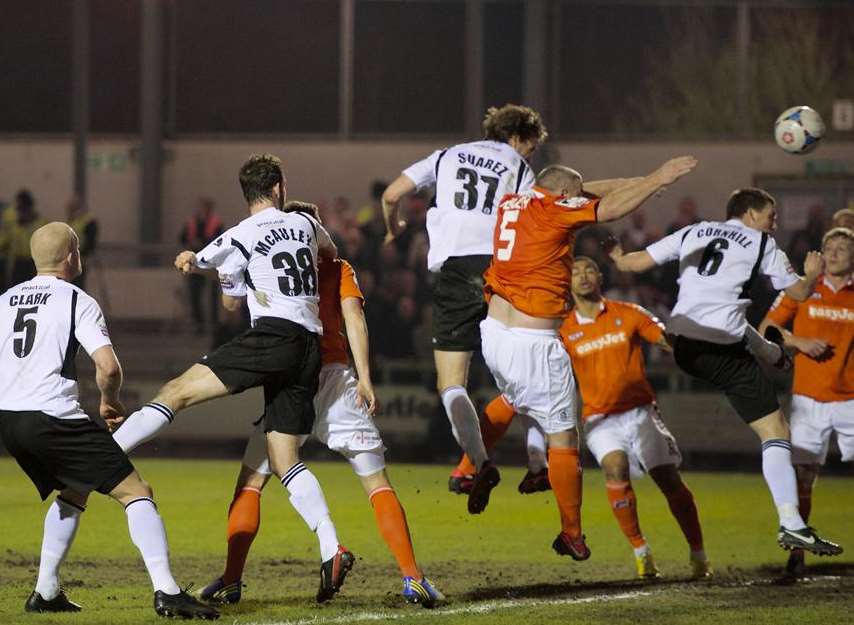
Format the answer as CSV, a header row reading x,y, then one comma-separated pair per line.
x,y
520,174
310,222
239,246
439,160
69,363
745,291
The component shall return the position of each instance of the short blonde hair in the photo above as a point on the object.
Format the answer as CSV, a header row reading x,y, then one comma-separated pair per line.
x,y
833,233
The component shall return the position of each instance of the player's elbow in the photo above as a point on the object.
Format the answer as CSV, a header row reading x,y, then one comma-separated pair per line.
x,y
109,370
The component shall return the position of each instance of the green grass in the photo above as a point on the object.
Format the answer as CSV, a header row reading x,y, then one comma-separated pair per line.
x,y
479,562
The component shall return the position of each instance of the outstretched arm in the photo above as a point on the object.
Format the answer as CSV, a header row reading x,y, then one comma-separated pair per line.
x,y
629,197
357,335
635,262
602,188
803,288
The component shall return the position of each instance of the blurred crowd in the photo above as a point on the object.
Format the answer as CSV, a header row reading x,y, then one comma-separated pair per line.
x,y
393,278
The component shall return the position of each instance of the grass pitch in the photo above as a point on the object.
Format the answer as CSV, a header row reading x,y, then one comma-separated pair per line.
x,y
497,568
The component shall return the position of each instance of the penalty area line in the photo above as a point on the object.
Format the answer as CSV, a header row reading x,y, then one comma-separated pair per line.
x,y
474,608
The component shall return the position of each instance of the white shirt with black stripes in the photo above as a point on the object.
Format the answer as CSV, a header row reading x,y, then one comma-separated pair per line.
x,y
718,262
470,180
273,253
43,323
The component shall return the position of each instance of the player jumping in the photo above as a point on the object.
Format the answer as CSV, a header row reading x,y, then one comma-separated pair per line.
x,y
823,389
275,253
344,405
718,261
527,286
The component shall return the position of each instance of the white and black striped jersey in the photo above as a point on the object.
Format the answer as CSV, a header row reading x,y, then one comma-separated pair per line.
x,y
273,253
470,180
43,323
718,263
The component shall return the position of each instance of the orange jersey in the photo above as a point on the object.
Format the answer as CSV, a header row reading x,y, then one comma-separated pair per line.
x,y
337,282
606,356
532,260
827,315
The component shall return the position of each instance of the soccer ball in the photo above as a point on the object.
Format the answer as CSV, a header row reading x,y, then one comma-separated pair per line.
x,y
798,129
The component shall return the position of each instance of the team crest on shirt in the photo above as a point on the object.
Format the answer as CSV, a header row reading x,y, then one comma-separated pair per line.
x,y
218,242
815,296
619,322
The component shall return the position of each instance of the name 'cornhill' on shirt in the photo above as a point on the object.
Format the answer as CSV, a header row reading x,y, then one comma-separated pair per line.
x,y
485,163
281,234
733,235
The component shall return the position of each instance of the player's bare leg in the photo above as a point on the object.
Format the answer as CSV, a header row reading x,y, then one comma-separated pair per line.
x,y
494,421
452,370
537,477
307,498
806,474
196,385
684,509
773,431
392,524
566,480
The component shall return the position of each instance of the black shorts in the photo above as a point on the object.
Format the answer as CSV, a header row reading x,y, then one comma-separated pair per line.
x,y
284,358
732,369
64,453
458,303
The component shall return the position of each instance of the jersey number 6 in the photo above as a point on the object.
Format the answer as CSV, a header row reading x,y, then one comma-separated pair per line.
x,y
712,258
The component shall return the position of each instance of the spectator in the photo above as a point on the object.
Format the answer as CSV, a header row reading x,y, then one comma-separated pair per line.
x,y
686,214
202,227
85,226
7,223
844,217
27,221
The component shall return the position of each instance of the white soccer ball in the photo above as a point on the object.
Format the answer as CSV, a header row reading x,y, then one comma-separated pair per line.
x,y
799,129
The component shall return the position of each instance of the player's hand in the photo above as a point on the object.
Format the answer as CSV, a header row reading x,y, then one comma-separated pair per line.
x,y
813,265
367,398
611,246
185,262
395,227
112,412
261,298
814,348
674,169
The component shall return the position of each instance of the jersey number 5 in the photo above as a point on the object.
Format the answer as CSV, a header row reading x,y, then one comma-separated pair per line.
x,y
23,346
506,233
712,258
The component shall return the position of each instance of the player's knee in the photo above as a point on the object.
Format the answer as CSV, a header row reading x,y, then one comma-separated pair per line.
x,y
615,467
667,478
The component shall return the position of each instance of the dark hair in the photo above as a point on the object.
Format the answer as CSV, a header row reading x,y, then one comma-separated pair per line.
x,y
378,188
500,124
295,206
743,199
587,259
258,175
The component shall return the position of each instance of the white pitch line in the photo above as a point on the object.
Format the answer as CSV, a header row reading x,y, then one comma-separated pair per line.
x,y
479,608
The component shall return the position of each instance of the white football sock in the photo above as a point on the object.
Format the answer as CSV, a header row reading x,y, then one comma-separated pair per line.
x,y
143,425
60,526
535,443
642,550
148,534
780,476
464,423
308,500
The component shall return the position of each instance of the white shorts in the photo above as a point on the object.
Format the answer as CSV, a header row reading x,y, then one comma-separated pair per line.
x,y
812,423
532,370
639,433
341,424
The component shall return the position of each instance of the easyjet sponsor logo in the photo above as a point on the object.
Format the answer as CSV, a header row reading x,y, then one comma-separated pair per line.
x,y
606,340
831,314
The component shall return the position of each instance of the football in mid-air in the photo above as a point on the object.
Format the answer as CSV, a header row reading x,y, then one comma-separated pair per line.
x,y
799,129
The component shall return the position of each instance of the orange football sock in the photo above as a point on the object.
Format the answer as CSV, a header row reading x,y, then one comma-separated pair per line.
x,y
681,502
391,521
566,480
494,421
244,518
625,508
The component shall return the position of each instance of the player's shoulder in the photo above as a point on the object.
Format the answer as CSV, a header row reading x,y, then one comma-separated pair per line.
x,y
631,309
